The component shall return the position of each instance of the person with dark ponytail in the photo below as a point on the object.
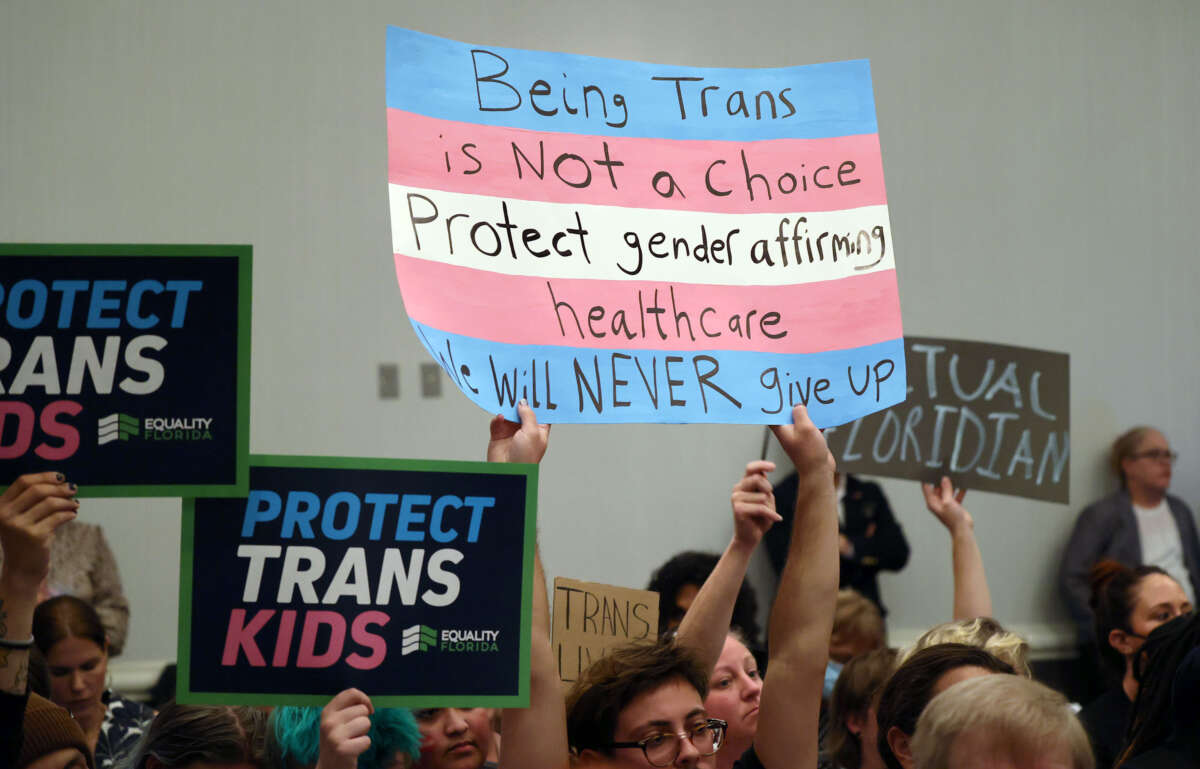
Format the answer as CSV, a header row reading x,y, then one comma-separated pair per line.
x,y
1127,604
1164,728
1140,523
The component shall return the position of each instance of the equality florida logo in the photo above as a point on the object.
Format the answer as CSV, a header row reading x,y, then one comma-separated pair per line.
x,y
119,426
422,638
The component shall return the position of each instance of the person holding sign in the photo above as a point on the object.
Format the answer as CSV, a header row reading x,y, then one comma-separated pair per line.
x,y
535,736
1140,524
643,705
31,509
734,685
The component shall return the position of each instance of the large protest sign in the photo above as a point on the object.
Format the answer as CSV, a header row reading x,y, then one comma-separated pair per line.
x,y
590,618
126,367
411,580
990,416
618,241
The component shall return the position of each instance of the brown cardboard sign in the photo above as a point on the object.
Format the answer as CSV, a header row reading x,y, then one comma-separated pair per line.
x,y
591,618
992,417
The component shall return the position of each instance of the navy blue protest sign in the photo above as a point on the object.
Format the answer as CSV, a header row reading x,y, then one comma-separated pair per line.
x,y
411,580
126,367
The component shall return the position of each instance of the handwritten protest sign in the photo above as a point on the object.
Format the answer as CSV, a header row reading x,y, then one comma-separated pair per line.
x,y
411,580
618,241
990,416
126,367
591,618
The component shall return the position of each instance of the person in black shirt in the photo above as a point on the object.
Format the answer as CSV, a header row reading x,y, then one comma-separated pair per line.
x,y
869,538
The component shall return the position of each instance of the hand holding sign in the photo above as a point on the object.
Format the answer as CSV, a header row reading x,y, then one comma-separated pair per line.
x,y
805,445
345,722
511,442
30,510
753,503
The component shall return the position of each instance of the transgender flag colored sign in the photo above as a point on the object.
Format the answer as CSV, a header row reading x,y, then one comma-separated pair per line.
x,y
618,241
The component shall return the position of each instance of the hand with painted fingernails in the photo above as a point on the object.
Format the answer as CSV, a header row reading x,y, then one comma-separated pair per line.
x,y
30,510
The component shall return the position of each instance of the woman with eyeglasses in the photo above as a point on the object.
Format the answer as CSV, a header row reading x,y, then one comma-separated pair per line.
x,y
1128,604
1139,524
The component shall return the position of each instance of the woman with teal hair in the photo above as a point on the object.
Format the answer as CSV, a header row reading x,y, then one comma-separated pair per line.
x,y
349,726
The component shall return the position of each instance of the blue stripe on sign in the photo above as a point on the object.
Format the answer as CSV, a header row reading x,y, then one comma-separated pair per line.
x,y
450,80
571,384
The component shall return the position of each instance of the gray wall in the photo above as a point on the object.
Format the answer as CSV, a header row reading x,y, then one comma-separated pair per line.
x,y
1041,165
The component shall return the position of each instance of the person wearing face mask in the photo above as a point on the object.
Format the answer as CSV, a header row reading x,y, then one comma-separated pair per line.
x,y
71,637
1139,524
1127,604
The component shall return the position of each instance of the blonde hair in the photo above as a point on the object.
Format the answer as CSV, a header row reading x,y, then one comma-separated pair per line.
x,y
982,633
1022,719
857,617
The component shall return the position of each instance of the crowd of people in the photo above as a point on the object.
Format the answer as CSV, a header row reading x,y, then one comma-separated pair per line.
x,y
819,687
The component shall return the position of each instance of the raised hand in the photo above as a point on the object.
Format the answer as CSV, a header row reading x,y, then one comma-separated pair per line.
x,y
345,722
30,510
753,501
945,502
805,445
512,442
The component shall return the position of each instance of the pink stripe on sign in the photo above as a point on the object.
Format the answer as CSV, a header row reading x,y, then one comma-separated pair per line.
x,y
775,176
573,312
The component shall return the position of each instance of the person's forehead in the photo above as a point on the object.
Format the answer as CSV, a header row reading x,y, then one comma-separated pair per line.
x,y
734,652
672,702
1158,589
1153,439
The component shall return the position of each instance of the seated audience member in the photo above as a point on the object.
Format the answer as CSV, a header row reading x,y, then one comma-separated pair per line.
x,y
304,738
982,633
82,564
643,705
1000,722
677,583
455,738
870,539
923,676
1127,604
49,738
852,709
204,737
1140,524
1164,727
32,730
70,636
857,627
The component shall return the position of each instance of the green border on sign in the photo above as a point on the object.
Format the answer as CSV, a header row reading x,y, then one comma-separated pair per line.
x,y
245,257
184,692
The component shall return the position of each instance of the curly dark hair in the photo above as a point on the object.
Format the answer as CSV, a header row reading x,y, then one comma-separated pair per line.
x,y
692,568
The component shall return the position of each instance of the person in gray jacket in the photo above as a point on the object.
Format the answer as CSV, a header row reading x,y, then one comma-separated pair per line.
x,y
1139,524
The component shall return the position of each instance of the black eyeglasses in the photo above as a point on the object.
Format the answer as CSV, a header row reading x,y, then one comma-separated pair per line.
x,y
1158,455
662,749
